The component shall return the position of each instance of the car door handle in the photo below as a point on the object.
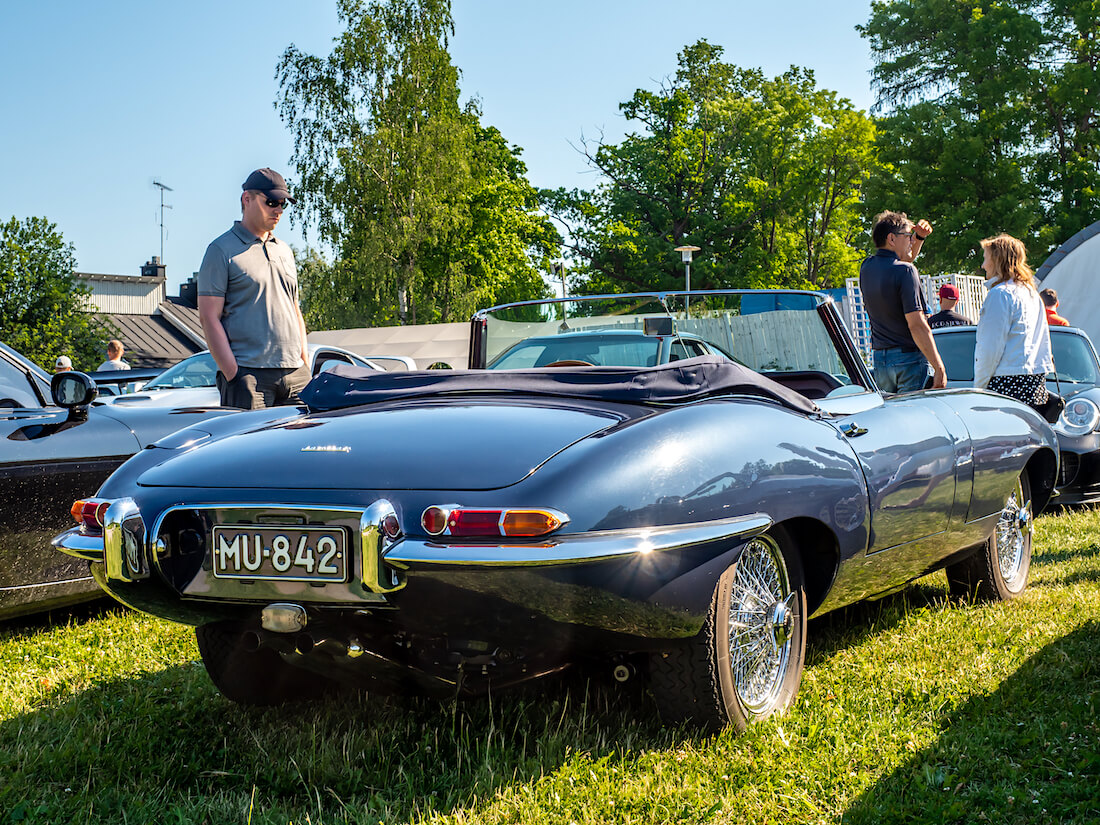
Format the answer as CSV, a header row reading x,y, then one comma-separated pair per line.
x,y
853,429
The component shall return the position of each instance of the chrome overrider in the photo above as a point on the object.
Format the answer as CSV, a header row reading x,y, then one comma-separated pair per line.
x,y
121,546
125,547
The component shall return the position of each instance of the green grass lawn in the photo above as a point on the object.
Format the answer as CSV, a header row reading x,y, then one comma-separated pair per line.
x,y
912,709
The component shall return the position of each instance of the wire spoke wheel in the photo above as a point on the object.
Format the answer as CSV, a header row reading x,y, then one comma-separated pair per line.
x,y
746,662
1000,568
1013,536
760,623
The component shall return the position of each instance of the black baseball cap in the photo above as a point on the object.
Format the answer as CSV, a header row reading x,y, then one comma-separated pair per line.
x,y
269,182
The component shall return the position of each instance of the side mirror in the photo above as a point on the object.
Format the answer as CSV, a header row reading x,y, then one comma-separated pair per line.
x,y
73,390
660,326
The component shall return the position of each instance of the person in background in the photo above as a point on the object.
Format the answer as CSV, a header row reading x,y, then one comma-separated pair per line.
x,y
947,317
63,364
248,303
114,357
1012,352
904,350
1050,304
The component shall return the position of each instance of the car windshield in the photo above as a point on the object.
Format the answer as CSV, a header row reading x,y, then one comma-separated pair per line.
x,y
957,351
771,332
1074,359
627,350
196,371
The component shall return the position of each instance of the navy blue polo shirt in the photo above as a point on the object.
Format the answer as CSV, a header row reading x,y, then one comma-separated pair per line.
x,y
891,288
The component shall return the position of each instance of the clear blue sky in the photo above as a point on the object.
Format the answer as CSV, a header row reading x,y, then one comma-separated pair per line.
x,y
100,98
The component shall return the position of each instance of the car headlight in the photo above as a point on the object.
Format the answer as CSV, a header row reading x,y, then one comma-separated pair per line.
x,y
1080,416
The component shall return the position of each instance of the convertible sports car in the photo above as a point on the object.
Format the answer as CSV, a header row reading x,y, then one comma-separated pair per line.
x,y
452,531
1077,379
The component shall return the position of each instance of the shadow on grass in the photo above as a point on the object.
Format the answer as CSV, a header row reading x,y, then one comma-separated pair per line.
x,y
1029,752
165,746
59,617
1084,550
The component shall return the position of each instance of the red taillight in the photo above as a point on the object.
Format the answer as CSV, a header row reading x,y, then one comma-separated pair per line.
x,y
434,521
391,526
471,523
474,522
90,512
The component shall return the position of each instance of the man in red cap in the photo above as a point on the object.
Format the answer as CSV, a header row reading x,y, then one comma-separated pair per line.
x,y
947,317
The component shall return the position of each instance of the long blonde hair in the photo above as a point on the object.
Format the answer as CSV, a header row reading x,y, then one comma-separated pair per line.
x,y
1008,260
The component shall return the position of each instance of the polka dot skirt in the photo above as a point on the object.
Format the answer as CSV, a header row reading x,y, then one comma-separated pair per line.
x,y
1031,389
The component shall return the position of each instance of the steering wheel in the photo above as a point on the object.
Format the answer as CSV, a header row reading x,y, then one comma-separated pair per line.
x,y
570,362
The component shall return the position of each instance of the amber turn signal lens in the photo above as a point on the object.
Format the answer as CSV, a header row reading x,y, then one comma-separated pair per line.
x,y
529,523
90,512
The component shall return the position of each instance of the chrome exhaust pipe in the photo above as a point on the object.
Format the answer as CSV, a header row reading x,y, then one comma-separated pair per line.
x,y
251,641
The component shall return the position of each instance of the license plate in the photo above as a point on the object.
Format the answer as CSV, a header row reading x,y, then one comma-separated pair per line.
x,y
304,554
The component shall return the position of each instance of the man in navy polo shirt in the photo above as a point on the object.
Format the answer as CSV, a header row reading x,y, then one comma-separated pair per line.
x,y
904,350
248,303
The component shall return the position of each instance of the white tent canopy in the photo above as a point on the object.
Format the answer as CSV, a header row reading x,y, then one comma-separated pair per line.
x,y
1071,271
426,344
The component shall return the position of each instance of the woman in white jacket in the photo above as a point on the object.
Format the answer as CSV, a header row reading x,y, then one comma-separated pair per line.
x,y
1012,354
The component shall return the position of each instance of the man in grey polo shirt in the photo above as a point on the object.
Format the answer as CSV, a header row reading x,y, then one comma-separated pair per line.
x,y
248,303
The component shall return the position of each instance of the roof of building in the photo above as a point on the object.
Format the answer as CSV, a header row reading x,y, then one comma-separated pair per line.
x,y
152,341
185,317
120,279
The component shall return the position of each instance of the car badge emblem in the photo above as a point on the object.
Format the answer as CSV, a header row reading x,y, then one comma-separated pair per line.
x,y
326,448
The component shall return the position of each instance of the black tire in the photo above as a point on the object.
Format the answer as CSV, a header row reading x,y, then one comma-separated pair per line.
x,y
253,677
722,677
999,570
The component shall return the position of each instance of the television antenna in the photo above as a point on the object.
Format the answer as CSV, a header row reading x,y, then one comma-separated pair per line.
x,y
163,188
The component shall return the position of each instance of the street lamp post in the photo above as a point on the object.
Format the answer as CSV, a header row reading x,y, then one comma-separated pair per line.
x,y
685,256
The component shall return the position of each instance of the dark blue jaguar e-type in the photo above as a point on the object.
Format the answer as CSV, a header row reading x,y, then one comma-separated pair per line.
x,y
448,532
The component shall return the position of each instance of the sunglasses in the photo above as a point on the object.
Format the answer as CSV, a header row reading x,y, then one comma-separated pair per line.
x,y
272,203
892,233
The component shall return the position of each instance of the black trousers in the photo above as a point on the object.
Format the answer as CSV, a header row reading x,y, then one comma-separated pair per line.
x,y
254,388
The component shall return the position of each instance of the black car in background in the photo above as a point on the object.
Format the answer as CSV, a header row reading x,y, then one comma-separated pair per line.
x,y
1076,378
49,457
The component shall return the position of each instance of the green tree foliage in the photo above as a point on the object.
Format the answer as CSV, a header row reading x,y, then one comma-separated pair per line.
x,y
991,115
430,215
41,304
763,174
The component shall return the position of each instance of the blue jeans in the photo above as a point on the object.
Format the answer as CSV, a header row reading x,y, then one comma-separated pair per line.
x,y
898,370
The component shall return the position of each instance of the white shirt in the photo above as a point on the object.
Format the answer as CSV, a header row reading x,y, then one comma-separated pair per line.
x,y
1012,337
113,365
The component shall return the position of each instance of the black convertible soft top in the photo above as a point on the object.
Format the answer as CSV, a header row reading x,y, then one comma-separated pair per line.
x,y
679,382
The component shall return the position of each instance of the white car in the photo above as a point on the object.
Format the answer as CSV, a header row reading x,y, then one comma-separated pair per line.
x,y
191,382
